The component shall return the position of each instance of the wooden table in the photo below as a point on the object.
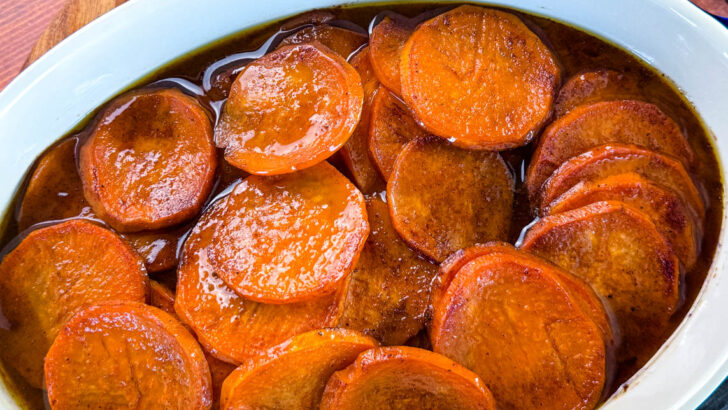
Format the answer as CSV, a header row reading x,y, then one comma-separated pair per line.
x,y
29,28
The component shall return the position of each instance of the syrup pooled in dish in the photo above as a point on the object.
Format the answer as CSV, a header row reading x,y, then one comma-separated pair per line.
x,y
317,215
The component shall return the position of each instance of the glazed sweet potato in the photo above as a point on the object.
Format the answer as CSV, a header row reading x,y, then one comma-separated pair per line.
x,y
621,254
54,272
340,40
293,375
608,122
672,217
355,152
54,191
387,294
386,41
150,161
289,110
405,378
231,328
593,86
615,159
288,238
514,320
157,249
443,198
479,77
126,355
392,127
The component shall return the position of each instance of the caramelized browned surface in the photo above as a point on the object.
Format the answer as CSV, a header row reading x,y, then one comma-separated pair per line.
x,y
615,159
157,249
126,355
341,41
293,375
480,77
392,127
386,42
355,152
388,293
287,238
608,122
289,110
150,161
514,320
597,85
405,378
622,255
443,198
671,216
50,275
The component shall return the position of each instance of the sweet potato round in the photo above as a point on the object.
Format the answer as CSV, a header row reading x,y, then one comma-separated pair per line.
x,y
126,355
157,249
293,374
405,378
386,41
443,198
513,319
672,217
480,77
387,295
615,159
341,41
593,86
289,110
54,272
608,122
150,161
621,254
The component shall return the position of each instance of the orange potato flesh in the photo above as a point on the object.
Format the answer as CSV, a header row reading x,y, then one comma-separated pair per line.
x,y
126,355
54,272
443,198
672,217
593,86
386,42
229,327
54,191
293,375
150,160
512,319
289,110
387,294
392,127
404,377
288,238
622,255
341,41
589,126
479,77
615,159
355,152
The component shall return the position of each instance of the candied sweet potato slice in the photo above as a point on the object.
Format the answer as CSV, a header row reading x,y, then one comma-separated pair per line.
x,y
387,295
404,377
511,318
479,77
288,238
157,249
443,198
54,272
150,161
621,254
289,110
341,41
54,191
126,355
608,160
392,127
231,328
672,217
386,42
593,86
293,374
607,122
355,152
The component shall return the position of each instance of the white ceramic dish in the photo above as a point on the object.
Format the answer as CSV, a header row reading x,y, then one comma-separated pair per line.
x,y
91,66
